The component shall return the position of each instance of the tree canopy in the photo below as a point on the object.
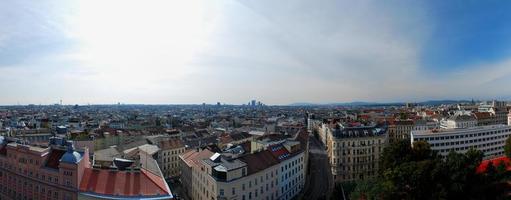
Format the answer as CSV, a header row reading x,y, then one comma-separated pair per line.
x,y
416,172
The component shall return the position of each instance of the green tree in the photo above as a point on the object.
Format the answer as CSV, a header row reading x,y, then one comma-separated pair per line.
x,y
421,151
507,147
395,154
418,173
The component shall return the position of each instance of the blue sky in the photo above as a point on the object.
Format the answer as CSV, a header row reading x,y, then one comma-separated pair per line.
x,y
467,33
232,51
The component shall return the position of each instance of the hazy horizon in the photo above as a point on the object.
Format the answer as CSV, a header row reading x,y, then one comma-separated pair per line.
x,y
189,52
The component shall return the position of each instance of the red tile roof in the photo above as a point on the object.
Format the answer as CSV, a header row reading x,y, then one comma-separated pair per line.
x,y
259,161
123,183
482,115
171,144
194,158
496,161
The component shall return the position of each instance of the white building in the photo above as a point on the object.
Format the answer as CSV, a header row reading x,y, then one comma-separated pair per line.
x,y
488,139
458,121
424,125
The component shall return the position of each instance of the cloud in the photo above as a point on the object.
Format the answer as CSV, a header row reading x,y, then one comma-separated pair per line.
x,y
231,51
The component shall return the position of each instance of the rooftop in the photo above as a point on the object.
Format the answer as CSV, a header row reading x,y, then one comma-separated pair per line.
x,y
224,163
362,131
124,184
171,144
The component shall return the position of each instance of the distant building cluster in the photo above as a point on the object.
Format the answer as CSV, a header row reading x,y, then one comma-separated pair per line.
x,y
220,151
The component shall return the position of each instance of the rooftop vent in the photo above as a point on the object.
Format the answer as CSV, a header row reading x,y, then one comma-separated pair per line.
x,y
122,164
215,157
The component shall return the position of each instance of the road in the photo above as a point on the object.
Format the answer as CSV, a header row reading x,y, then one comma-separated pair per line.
x,y
321,180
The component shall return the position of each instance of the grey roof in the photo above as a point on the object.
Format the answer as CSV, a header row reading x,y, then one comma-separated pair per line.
x,y
148,163
107,154
224,164
148,148
462,118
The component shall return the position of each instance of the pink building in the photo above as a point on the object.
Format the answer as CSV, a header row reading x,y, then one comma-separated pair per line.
x,y
32,172
62,172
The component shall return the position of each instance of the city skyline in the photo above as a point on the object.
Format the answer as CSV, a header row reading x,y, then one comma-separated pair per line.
x,y
189,52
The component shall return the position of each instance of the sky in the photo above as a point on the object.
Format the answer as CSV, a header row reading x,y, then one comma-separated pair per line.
x,y
278,52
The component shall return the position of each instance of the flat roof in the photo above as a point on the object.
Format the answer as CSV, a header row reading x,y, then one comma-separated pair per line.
x,y
458,130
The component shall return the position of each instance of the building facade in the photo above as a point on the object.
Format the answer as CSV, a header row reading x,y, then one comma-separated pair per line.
x,y
61,172
458,121
32,172
498,109
354,152
488,139
400,129
168,156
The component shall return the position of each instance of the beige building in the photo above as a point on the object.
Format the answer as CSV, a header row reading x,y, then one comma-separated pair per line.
x,y
168,156
400,129
190,164
354,152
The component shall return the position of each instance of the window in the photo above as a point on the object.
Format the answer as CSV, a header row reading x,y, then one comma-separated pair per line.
x,y
233,191
221,192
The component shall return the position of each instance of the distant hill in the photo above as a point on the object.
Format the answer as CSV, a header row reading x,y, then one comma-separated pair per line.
x,y
364,103
440,102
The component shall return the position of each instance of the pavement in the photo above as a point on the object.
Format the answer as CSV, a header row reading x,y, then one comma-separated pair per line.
x,y
177,189
321,182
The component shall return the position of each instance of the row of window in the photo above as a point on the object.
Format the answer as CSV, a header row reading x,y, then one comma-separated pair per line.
x,y
357,143
22,160
38,191
498,148
433,138
30,173
356,160
359,151
173,152
501,138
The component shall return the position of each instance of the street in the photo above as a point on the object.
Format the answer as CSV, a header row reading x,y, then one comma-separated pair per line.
x,y
321,180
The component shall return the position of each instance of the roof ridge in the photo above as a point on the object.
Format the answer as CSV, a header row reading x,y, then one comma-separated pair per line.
x,y
151,178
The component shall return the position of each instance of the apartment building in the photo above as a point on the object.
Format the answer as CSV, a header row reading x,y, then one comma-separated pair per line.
x,y
498,109
62,172
168,156
272,167
33,172
488,139
458,121
400,129
484,118
354,152
191,176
